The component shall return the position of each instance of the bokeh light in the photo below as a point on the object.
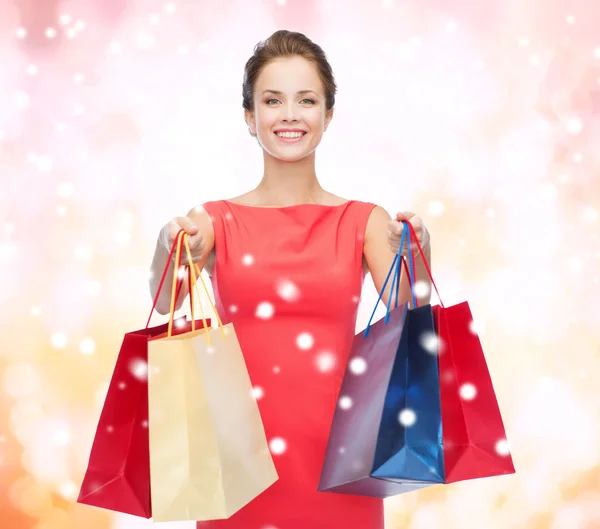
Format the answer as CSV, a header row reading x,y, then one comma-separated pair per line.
x,y
482,117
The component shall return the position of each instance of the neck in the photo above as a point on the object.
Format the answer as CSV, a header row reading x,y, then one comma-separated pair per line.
x,y
289,183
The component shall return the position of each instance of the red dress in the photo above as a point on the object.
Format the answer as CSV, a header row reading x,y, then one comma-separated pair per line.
x,y
290,280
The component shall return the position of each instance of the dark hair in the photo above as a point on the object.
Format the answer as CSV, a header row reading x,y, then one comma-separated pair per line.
x,y
285,43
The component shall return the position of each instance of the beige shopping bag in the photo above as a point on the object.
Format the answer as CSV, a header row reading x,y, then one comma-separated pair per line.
x,y
208,449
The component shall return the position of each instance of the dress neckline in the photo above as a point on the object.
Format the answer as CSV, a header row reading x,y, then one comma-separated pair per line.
x,y
289,207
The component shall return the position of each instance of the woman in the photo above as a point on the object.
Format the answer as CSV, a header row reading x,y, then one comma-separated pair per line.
x,y
287,262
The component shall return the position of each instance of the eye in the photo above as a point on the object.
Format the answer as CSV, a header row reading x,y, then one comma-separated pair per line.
x,y
310,101
269,101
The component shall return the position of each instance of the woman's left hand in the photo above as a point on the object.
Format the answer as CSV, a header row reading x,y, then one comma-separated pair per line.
x,y
395,227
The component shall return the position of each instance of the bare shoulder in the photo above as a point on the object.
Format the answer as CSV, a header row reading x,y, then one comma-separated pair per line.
x,y
377,223
200,217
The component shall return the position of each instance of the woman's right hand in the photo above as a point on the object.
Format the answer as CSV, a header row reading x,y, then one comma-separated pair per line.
x,y
196,242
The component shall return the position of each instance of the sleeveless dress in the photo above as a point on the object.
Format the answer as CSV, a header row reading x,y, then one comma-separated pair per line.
x,y
290,279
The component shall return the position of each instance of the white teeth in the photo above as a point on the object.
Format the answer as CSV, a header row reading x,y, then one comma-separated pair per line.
x,y
289,134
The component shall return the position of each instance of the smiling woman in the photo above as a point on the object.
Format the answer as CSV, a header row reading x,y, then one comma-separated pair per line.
x,y
289,231
289,101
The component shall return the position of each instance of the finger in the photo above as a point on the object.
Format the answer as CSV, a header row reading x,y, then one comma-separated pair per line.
x,y
395,227
187,224
404,215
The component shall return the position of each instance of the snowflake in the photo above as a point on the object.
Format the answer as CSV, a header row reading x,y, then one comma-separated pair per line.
x,y
265,310
139,369
422,289
276,369
305,341
358,365
145,423
110,429
467,391
476,328
502,447
287,290
430,342
345,403
233,309
258,392
122,385
247,259
277,445
325,362
407,417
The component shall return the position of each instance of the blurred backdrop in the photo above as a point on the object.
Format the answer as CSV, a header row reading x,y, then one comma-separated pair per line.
x,y
483,117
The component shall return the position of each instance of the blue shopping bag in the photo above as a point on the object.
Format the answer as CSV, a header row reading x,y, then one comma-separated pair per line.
x,y
386,434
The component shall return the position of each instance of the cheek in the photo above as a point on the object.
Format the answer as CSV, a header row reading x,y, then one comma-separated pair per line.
x,y
316,119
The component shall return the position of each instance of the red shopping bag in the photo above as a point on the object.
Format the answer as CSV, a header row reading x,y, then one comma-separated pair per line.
x,y
474,437
118,472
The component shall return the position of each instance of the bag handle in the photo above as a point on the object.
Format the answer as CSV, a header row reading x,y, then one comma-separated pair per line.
x,y
412,278
164,276
394,287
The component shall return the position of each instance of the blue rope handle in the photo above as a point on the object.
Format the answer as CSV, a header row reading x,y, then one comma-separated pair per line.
x,y
411,280
395,281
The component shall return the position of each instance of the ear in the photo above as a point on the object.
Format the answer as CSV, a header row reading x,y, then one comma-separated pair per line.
x,y
250,121
328,118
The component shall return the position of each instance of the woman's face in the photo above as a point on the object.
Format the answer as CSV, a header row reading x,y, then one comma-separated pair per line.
x,y
289,109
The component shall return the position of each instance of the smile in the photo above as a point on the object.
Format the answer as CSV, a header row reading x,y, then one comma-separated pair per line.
x,y
290,137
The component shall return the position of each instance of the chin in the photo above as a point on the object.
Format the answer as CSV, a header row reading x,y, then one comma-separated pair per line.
x,y
289,153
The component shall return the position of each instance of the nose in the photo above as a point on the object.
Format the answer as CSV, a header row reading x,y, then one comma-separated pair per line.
x,y
290,112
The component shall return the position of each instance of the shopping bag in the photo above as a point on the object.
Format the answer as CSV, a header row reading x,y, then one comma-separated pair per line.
x,y
208,449
474,437
118,472
386,437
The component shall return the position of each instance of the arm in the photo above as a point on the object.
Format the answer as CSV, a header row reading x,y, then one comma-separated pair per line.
x,y
379,258
201,238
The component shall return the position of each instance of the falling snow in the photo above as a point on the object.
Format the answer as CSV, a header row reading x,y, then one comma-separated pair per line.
x,y
139,369
345,403
430,342
467,391
325,362
287,290
407,417
277,445
357,366
265,310
305,341
502,447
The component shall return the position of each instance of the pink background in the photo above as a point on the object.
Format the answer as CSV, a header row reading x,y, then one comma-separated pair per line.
x,y
483,117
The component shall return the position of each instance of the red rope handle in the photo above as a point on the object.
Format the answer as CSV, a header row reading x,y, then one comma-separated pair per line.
x,y
163,277
413,235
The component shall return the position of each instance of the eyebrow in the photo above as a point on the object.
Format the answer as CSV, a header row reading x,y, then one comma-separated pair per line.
x,y
299,92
